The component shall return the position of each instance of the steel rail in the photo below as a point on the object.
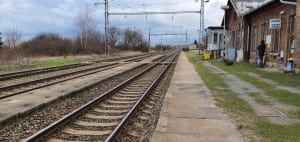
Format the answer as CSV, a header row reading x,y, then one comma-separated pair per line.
x,y
37,71
8,76
5,88
67,118
40,135
104,67
125,119
41,86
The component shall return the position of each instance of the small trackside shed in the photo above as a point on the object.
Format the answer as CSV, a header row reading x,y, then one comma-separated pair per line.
x,y
214,39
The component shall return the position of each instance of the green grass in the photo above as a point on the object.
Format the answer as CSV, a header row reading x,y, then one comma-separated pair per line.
x,y
294,114
280,133
251,126
38,64
283,78
54,63
241,70
259,99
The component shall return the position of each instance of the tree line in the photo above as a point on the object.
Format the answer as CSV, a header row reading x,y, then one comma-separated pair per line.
x,y
88,40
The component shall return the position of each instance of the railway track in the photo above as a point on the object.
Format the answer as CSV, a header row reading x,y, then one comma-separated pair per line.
x,y
102,118
22,87
14,75
9,76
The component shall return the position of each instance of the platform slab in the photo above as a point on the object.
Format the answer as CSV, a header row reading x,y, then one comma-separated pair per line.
x,y
189,113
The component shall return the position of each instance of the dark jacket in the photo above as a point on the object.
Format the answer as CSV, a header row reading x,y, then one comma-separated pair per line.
x,y
261,49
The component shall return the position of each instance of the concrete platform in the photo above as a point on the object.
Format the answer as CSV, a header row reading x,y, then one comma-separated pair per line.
x,y
25,102
189,113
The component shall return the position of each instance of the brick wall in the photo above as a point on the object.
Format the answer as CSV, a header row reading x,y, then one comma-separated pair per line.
x,y
263,15
234,25
297,44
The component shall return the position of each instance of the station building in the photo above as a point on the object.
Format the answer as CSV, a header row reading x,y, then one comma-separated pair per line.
x,y
249,22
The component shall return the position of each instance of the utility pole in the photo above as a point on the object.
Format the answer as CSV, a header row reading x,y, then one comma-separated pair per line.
x,y
161,43
202,18
186,38
149,40
106,25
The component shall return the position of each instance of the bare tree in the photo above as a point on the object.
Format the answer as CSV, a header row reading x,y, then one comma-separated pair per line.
x,y
113,35
133,40
86,25
13,37
1,43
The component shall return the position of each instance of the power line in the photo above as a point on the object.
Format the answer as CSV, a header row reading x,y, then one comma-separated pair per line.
x,y
152,13
166,34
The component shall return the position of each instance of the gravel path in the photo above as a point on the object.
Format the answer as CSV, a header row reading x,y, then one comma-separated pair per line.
x,y
292,89
272,111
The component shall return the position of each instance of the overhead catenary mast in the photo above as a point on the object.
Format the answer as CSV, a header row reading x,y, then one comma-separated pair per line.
x,y
107,13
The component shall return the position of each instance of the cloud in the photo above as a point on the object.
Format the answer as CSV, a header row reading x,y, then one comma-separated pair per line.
x,y
57,16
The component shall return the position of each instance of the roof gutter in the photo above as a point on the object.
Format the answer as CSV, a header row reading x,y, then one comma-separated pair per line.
x,y
285,2
235,8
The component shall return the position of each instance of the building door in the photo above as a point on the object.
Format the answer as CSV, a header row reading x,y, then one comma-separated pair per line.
x,y
254,39
220,44
247,45
275,40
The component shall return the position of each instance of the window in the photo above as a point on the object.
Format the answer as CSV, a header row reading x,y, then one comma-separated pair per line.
x,y
233,39
254,36
215,38
238,38
292,33
263,31
292,23
275,40
221,43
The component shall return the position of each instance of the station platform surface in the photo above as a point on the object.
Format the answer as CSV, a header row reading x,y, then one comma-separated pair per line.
x,y
189,113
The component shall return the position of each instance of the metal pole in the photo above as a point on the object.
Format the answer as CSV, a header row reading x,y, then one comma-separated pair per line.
x,y
105,29
199,42
161,43
149,40
200,27
224,37
202,19
186,38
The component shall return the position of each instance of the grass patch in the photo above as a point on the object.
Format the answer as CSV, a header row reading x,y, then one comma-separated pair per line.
x,y
282,78
239,70
259,99
54,63
280,133
40,64
251,126
294,114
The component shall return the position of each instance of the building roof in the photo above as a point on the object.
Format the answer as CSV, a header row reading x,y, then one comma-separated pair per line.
x,y
214,27
244,7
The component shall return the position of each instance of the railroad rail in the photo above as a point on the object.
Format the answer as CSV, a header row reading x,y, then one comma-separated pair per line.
x,y
22,87
102,118
9,76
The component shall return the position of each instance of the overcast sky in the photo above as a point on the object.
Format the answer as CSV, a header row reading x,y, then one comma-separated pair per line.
x,y
32,17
